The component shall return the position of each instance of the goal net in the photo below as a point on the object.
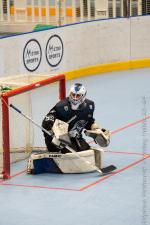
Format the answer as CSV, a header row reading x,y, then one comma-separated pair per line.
x,y
34,97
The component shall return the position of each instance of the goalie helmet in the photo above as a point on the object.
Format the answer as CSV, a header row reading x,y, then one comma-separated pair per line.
x,y
77,95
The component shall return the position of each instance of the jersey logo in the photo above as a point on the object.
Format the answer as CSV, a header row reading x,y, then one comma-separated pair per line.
x,y
66,108
79,126
90,106
50,117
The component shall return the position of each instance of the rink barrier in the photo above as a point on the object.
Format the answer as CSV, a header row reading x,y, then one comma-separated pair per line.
x,y
105,68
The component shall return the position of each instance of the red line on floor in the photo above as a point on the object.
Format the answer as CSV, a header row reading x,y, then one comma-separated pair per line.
x,y
15,175
126,153
115,173
127,126
109,151
130,125
84,187
113,132
40,187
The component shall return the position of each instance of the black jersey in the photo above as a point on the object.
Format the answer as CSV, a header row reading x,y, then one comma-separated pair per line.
x,y
77,119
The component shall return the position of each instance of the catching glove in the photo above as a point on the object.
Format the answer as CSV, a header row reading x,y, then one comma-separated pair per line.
x,y
100,136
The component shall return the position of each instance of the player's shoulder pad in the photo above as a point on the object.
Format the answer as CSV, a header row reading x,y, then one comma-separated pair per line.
x,y
63,105
90,104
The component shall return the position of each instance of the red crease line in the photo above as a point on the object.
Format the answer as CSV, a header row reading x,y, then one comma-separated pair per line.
x,y
126,153
113,174
42,187
130,124
113,132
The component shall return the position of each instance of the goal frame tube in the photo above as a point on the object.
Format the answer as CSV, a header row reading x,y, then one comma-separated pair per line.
x,y
5,113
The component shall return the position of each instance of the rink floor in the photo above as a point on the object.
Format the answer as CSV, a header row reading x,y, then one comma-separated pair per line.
x,y
122,102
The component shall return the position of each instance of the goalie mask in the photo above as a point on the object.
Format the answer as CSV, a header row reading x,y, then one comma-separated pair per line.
x,y
77,95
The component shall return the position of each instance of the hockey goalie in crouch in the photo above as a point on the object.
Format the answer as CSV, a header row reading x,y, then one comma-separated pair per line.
x,y
66,124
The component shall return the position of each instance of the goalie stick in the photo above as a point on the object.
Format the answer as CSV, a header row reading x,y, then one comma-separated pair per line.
x,y
102,171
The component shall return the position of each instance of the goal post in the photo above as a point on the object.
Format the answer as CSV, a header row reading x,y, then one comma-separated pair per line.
x,y
18,137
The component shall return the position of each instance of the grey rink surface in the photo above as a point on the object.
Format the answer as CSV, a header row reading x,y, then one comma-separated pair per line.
x,y
122,100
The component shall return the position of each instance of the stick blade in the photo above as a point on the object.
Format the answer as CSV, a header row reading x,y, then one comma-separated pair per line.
x,y
108,169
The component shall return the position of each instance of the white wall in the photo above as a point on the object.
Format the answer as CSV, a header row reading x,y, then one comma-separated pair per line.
x,y
140,37
84,44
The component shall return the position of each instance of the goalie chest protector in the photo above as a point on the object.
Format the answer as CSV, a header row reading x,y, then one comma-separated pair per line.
x,y
66,114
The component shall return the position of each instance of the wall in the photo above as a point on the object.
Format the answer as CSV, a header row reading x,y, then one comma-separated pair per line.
x,y
140,37
76,47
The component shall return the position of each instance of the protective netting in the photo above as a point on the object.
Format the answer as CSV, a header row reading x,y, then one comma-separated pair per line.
x,y
24,136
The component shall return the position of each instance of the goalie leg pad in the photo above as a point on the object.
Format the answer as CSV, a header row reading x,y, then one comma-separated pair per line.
x,y
60,163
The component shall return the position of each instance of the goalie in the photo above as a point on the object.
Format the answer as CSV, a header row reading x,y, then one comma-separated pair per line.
x,y
77,111
63,129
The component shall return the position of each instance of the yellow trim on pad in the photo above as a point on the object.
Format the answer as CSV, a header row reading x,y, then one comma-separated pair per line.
x,y
109,67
